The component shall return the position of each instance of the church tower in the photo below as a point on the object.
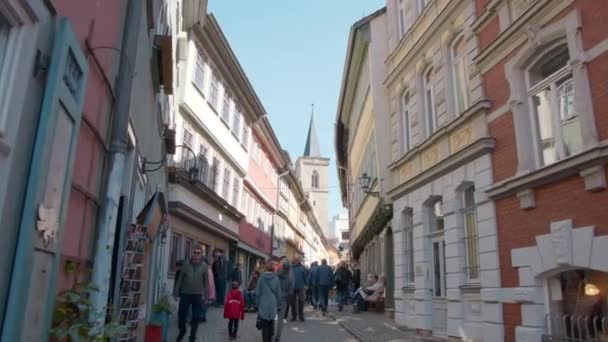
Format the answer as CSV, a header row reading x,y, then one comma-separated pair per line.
x,y
312,171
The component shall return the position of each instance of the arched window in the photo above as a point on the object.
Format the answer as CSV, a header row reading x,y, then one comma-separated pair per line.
x,y
460,82
315,179
406,123
557,130
429,102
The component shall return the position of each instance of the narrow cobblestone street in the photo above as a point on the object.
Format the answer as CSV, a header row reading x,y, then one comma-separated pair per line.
x,y
316,329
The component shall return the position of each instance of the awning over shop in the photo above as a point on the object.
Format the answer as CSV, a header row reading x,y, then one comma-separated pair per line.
x,y
252,250
153,214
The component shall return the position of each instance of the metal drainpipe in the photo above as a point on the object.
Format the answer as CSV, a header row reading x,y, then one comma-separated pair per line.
x,y
276,212
106,225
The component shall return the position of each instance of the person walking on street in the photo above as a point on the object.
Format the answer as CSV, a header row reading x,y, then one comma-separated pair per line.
x,y
250,291
211,290
299,282
342,278
268,297
286,281
220,274
234,309
192,288
356,278
325,281
313,284
236,274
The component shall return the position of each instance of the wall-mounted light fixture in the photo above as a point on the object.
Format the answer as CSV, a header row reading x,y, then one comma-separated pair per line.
x,y
366,182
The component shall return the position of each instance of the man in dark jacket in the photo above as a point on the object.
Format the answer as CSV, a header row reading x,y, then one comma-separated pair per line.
x,y
342,278
313,284
356,277
191,287
236,274
220,276
325,281
299,273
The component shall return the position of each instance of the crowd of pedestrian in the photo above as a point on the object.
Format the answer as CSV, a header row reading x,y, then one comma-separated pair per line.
x,y
271,290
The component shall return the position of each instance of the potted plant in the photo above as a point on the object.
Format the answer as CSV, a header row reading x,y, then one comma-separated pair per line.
x,y
158,327
71,318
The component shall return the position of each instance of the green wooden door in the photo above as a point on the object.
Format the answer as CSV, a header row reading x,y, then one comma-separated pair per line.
x,y
34,274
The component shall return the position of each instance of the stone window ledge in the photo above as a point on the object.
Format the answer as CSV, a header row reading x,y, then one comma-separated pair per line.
x,y
481,106
408,289
588,164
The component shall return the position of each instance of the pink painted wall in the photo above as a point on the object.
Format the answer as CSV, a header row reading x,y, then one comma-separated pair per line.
x,y
99,22
256,172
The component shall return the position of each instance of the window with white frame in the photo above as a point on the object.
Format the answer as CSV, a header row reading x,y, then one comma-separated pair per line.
x,y
471,235
429,102
401,17
236,124
460,78
188,134
406,123
408,252
214,90
235,191
203,164
226,107
226,185
551,91
199,72
214,177
437,217
245,136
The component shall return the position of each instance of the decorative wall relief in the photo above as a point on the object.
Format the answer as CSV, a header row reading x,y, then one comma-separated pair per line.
x,y
430,157
561,236
461,138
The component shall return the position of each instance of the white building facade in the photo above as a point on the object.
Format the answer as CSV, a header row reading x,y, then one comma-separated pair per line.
x,y
445,226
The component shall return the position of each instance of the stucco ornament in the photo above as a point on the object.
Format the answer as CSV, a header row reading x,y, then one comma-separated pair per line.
x,y
47,223
532,33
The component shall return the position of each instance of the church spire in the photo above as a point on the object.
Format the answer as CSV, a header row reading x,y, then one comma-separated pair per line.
x,y
312,143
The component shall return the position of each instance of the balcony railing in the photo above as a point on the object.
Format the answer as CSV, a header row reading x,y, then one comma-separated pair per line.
x,y
577,328
195,168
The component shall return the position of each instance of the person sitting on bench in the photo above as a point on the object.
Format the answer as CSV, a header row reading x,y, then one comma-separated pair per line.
x,y
369,293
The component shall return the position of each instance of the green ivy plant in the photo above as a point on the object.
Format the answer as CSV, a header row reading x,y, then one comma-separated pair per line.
x,y
71,317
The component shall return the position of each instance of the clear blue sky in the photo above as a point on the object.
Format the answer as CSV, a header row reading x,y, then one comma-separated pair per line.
x,y
293,53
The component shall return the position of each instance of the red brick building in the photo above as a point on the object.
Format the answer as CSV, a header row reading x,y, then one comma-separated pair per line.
x,y
544,66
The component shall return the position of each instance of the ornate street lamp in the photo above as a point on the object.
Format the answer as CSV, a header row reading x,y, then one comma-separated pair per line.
x,y
366,181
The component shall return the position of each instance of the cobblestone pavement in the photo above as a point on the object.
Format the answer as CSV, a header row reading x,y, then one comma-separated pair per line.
x,y
373,327
316,329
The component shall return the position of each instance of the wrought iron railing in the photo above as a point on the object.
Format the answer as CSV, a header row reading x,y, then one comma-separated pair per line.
x,y
577,328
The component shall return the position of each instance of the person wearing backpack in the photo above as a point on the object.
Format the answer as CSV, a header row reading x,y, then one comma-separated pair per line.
x,y
342,278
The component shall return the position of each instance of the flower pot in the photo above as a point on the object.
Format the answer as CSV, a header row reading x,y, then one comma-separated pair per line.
x,y
154,333
163,319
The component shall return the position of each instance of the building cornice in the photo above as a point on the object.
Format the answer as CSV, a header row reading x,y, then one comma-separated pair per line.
x,y
467,154
571,166
185,212
208,195
473,110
